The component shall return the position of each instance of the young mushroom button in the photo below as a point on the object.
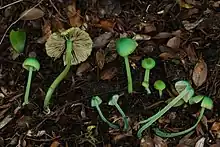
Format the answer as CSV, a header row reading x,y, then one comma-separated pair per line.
x,y
147,64
30,64
160,86
124,47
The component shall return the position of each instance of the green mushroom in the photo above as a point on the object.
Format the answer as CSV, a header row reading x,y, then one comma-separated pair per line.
x,y
124,47
147,64
185,92
30,64
207,103
95,102
114,102
160,86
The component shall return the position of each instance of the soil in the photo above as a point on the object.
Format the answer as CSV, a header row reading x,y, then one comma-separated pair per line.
x,y
71,112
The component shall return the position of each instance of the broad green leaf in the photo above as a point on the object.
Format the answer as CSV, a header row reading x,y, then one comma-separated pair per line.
x,y
17,40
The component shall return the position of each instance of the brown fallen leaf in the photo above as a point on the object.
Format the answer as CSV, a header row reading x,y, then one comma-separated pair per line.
x,y
85,66
216,129
200,142
55,144
100,58
162,35
200,73
166,56
102,40
159,142
32,14
74,15
109,73
174,43
141,37
57,24
46,31
107,25
190,50
147,141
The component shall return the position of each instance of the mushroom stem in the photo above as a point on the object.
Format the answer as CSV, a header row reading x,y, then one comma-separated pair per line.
x,y
155,117
146,80
56,82
105,120
160,93
128,70
125,119
26,96
163,134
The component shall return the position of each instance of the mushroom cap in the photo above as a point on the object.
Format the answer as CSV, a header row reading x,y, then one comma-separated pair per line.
x,y
96,100
207,103
113,100
148,63
196,99
159,85
181,86
31,62
82,45
125,46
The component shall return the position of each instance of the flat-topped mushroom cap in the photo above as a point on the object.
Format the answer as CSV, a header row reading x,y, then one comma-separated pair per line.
x,y
82,44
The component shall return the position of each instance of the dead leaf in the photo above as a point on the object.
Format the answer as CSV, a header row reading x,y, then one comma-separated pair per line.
x,y
200,73
55,144
159,142
183,4
46,31
190,50
200,142
85,66
147,141
74,15
107,25
166,56
162,35
141,37
102,40
100,58
5,121
189,26
32,14
177,33
216,129
109,73
57,24
174,43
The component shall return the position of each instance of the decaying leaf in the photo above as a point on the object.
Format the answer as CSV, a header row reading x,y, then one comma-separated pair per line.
x,y
107,25
85,66
189,26
109,73
102,40
55,144
200,73
141,37
159,142
46,31
166,56
147,141
100,58
57,24
174,43
82,45
74,15
183,4
32,14
200,142
216,129
190,50
162,35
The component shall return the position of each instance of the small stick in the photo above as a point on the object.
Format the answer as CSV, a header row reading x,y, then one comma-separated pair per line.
x,y
10,4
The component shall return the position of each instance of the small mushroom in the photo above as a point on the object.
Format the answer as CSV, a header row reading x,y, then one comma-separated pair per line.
x,y
95,102
160,86
114,102
185,92
30,64
124,47
207,103
148,64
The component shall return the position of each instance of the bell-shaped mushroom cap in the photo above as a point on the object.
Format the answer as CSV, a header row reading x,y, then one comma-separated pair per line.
x,y
159,85
148,63
207,103
82,44
96,100
31,62
125,46
55,45
184,85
